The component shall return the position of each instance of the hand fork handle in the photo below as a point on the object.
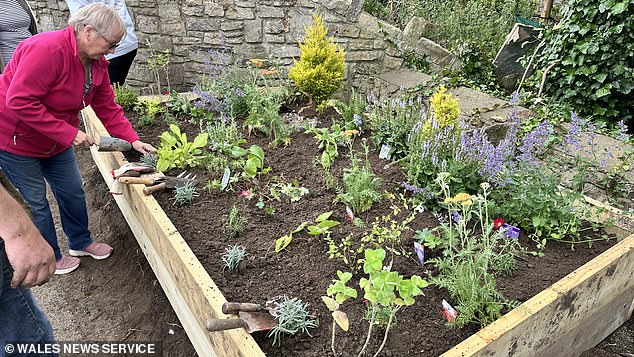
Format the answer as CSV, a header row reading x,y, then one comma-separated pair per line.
x,y
151,189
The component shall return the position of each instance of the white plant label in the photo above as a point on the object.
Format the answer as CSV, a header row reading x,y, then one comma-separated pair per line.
x,y
225,178
385,151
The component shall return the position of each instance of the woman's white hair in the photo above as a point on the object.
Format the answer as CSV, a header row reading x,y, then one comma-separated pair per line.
x,y
101,17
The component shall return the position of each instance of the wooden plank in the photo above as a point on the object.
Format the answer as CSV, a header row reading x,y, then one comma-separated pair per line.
x,y
571,316
191,292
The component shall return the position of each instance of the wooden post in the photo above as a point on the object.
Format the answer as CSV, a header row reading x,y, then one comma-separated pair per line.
x,y
547,7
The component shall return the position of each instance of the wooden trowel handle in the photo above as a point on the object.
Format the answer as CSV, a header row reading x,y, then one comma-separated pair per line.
x,y
151,189
235,307
135,180
224,324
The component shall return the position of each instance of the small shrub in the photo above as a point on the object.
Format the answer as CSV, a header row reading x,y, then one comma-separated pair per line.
x,y
148,111
125,96
233,256
236,222
361,185
319,71
292,317
184,194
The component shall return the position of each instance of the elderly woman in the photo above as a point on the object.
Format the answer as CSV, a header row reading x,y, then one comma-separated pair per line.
x,y
50,78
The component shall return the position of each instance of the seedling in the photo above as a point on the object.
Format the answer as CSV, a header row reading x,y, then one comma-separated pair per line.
x,y
233,256
236,222
341,293
292,317
184,194
322,227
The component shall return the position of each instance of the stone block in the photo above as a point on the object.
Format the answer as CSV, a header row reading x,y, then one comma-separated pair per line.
x,y
147,24
243,3
189,40
284,50
364,55
344,30
228,26
240,13
214,9
169,12
273,26
361,44
172,27
203,24
270,12
269,38
298,20
392,62
253,30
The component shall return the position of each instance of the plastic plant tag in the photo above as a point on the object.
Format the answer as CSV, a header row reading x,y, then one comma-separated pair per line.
x,y
449,312
420,251
225,178
510,231
249,129
350,214
385,151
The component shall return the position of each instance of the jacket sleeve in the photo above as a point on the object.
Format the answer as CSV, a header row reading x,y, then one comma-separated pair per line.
x,y
33,77
110,113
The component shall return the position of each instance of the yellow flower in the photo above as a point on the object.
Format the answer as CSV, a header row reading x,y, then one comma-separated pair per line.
x,y
350,132
448,200
467,203
461,197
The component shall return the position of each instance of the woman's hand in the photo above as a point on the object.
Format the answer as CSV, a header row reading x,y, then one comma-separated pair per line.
x,y
143,148
83,140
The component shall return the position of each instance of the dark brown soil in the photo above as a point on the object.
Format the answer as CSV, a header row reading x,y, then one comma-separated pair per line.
x,y
303,270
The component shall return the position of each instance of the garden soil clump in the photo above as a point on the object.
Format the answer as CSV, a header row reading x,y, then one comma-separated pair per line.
x,y
304,270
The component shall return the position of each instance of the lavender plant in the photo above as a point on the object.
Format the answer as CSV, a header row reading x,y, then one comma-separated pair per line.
x,y
185,194
233,256
292,317
236,222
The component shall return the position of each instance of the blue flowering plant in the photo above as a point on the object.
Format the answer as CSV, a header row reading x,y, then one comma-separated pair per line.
x,y
352,113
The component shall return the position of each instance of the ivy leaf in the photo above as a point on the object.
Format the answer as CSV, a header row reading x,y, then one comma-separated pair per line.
x,y
618,8
602,92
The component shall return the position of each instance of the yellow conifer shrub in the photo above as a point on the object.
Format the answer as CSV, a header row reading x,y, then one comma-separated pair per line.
x,y
444,107
319,71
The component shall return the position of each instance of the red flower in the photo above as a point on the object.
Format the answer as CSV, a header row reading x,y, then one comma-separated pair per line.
x,y
498,223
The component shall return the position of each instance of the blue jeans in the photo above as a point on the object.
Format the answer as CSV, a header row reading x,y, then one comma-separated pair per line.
x,y
28,175
21,320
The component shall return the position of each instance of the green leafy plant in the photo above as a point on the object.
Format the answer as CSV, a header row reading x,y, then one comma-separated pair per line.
x,y
353,112
329,139
293,190
387,230
319,71
176,151
148,111
150,159
337,293
380,288
185,194
589,54
361,185
427,238
345,250
160,61
254,164
233,256
264,106
292,317
236,222
125,96
475,253
322,227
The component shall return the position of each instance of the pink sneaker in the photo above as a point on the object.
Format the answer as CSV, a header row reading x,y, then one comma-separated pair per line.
x,y
66,265
96,250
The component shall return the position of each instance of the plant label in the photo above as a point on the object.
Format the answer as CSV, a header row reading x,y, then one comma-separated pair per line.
x,y
225,178
350,214
420,252
449,312
385,152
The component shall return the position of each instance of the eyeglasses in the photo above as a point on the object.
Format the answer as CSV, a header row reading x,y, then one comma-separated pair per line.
x,y
111,45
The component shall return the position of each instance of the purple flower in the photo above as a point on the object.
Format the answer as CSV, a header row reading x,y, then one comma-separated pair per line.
x,y
622,134
510,232
357,120
455,216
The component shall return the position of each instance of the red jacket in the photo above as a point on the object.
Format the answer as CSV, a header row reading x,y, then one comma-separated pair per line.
x,y
41,94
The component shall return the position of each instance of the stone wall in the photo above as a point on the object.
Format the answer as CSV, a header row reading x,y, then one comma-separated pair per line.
x,y
257,29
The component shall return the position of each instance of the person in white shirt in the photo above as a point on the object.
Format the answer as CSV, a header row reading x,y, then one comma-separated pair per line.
x,y
125,52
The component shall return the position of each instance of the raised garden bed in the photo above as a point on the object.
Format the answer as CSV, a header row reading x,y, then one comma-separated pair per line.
x,y
555,317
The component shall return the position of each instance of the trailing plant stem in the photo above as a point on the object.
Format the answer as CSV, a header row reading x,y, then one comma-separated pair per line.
x,y
367,339
387,330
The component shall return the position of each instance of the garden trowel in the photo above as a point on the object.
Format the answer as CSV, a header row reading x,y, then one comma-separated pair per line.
x,y
251,321
107,143
170,182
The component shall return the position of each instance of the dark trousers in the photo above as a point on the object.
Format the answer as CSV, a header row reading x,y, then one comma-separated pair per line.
x,y
119,67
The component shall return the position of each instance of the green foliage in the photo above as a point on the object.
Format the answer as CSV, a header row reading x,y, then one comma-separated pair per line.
x,y
225,137
255,162
150,159
293,190
427,238
264,107
233,256
361,185
148,111
319,71
329,139
236,222
176,151
345,251
160,60
391,122
387,230
593,48
352,113
474,253
184,194
339,290
292,317
380,288
125,96
322,227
